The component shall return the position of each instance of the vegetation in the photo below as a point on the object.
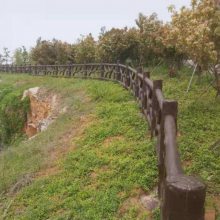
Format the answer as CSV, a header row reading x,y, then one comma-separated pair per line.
x,y
21,56
51,52
85,50
109,158
198,119
5,57
118,45
13,114
193,33
96,158
108,163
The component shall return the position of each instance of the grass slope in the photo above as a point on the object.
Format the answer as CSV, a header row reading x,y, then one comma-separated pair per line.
x,y
110,161
110,157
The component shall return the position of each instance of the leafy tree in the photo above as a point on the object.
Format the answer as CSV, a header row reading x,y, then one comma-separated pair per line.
x,y
1,59
193,32
118,44
52,52
85,49
150,47
21,56
6,55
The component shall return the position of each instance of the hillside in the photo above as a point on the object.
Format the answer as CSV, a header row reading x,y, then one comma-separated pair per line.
x,y
96,159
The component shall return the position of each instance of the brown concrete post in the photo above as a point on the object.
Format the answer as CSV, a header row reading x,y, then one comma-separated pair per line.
x,y
102,71
157,84
182,197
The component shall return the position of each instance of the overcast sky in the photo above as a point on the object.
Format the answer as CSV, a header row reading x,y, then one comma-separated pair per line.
x,y
23,21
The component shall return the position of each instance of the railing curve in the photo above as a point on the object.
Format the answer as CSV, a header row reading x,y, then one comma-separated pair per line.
x,y
182,197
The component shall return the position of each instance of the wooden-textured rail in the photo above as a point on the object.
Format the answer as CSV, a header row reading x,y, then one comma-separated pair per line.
x,y
182,197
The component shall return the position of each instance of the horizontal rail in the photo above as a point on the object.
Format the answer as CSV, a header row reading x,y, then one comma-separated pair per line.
x,y
172,159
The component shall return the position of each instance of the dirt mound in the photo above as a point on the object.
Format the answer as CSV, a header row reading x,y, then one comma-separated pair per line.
x,y
43,110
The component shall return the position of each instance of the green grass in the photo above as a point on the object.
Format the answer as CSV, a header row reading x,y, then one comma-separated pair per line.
x,y
27,157
13,115
199,127
199,124
114,157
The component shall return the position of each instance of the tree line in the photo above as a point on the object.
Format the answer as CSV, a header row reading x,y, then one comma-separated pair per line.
x,y
193,33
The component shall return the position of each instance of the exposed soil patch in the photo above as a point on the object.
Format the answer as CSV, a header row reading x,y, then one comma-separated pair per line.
x,y
65,145
212,208
187,163
210,214
44,108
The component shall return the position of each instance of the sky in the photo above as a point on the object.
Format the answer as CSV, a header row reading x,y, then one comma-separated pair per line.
x,y
23,21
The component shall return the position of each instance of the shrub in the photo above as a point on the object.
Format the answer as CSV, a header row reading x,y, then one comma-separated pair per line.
x,y
13,115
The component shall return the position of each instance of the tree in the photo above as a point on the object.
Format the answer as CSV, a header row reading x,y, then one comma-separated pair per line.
x,y
195,31
118,44
6,55
150,46
85,50
52,52
192,32
21,56
1,59
140,22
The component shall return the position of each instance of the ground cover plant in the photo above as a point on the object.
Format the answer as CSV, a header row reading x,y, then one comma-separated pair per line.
x,y
97,158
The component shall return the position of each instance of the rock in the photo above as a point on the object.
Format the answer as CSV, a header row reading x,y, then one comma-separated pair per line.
x,y
43,110
43,125
149,202
31,91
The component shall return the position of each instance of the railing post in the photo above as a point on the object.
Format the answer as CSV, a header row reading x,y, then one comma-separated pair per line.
x,y
157,84
127,78
85,70
144,93
137,89
35,69
182,197
12,69
118,77
102,71
29,69
57,70
69,70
